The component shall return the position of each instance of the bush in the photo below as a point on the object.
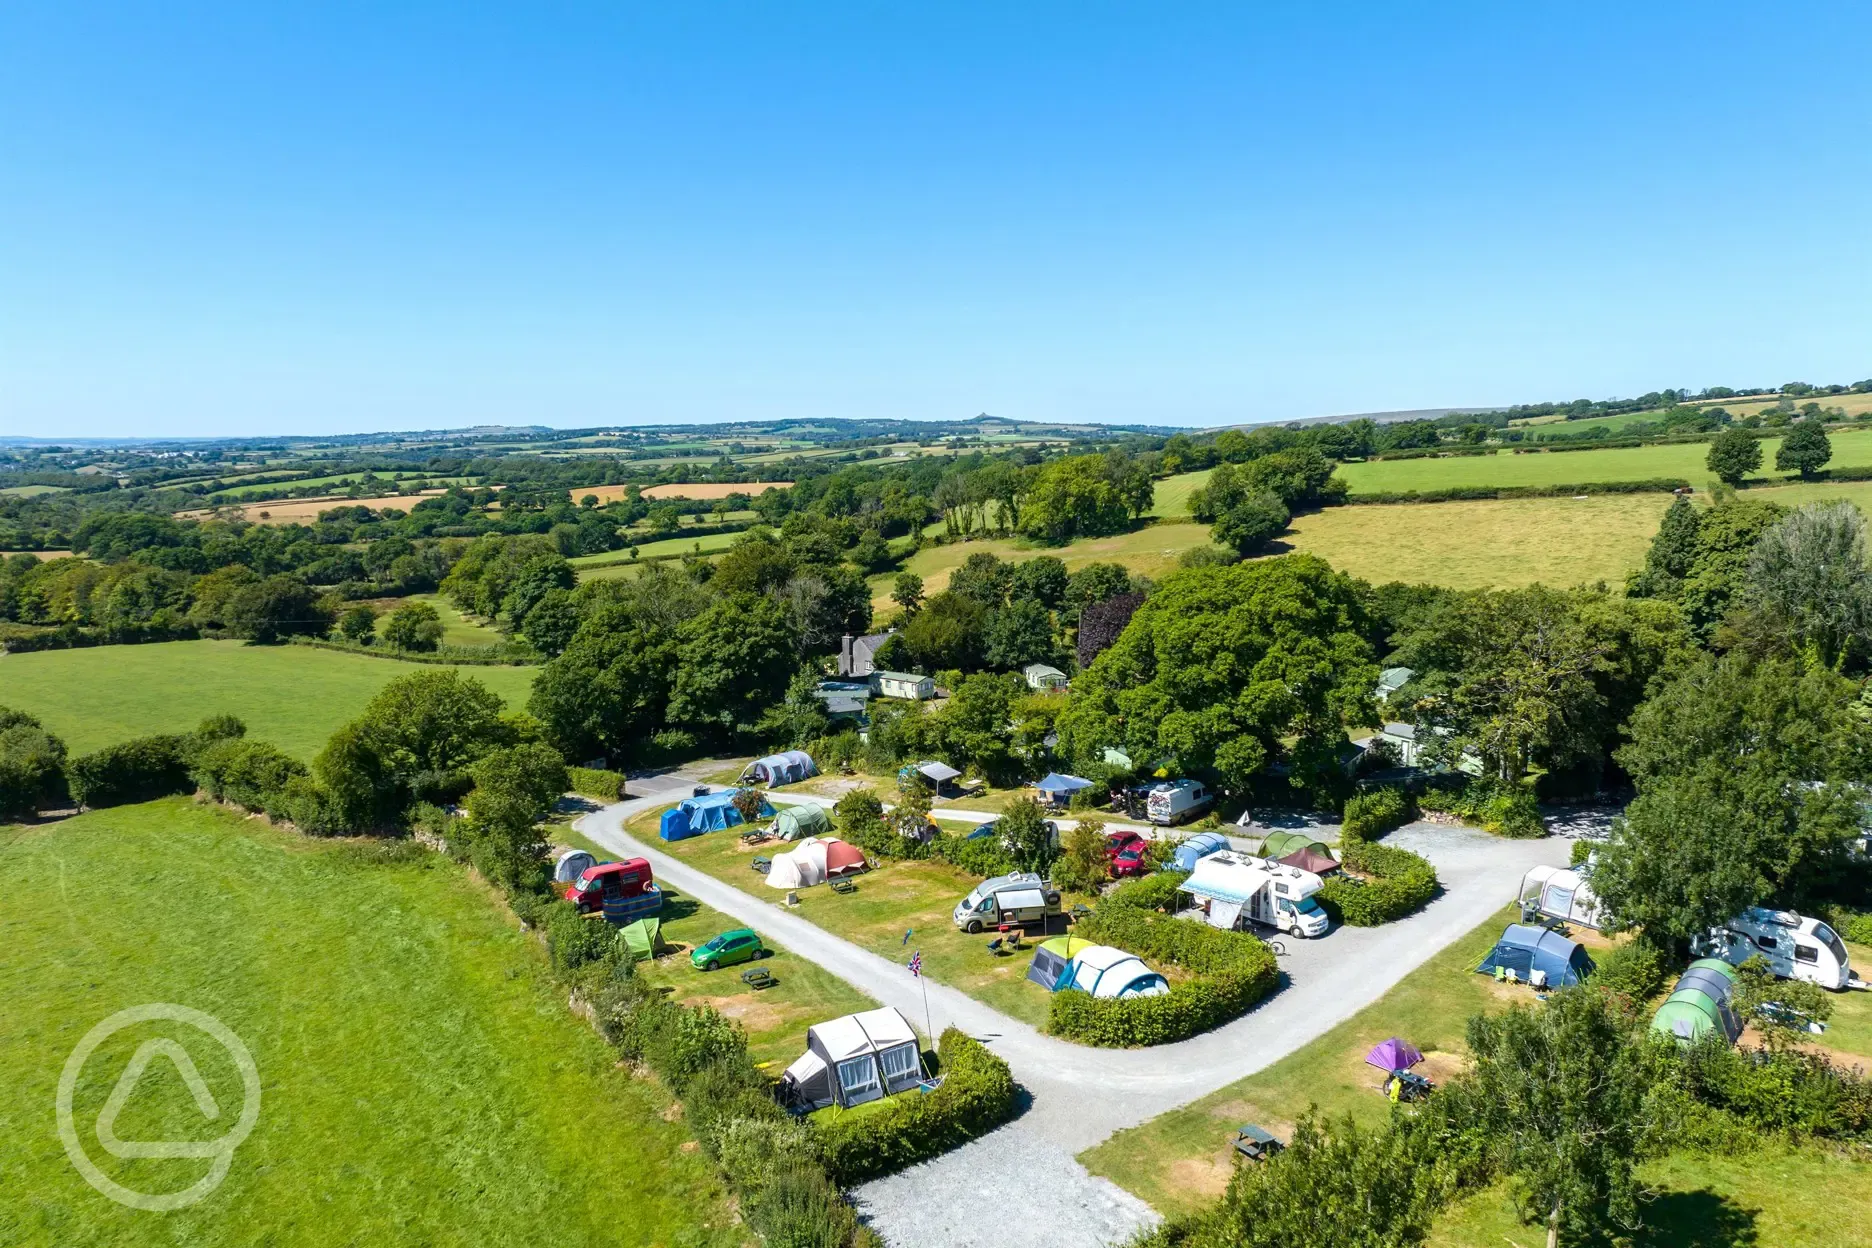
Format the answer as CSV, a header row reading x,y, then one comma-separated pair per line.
x,y
1634,970
985,857
131,771
251,774
1371,814
1853,925
32,765
608,785
1785,1090
1233,971
305,804
573,939
1400,883
1502,809
977,1095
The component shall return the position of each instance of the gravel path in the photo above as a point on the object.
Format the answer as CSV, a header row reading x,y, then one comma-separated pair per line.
x,y
1081,1095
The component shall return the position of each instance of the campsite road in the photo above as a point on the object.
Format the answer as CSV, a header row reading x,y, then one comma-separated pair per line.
x,y
1080,1094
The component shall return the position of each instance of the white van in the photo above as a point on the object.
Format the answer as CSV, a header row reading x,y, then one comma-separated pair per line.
x,y
1795,946
1022,898
1173,801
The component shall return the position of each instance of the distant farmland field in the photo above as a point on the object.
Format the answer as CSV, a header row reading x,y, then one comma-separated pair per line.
x,y
697,492
293,696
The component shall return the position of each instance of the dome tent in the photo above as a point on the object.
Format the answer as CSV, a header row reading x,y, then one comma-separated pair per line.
x,y
571,865
1280,844
1198,847
783,768
814,861
695,815
1112,974
796,823
1524,950
1052,959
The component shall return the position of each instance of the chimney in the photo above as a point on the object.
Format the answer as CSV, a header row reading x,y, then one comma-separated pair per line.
x,y
845,655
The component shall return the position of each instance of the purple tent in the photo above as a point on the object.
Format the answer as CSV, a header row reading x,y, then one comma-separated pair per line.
x,y
1393,1054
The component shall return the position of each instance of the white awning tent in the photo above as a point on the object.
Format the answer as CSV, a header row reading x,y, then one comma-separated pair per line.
x,y
801,867
1561,893
938,772
855,1059
1227,877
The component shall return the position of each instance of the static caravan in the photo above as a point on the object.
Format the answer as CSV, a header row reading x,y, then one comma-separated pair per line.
x,y
854,1059
1176,800
1559,893
1795,946
1022,898
903,685
1233,887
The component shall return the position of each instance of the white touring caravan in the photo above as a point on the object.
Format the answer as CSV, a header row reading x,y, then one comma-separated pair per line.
x,y
1559,893
1022,898
1795,946
1173,801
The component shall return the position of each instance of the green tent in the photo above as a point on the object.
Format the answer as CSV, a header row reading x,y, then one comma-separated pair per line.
x,y
796,823
1700,1003
1280,844
644,937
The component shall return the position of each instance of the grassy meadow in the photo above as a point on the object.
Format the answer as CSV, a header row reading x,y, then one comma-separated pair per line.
x,y
1149,551
422,1080
293,696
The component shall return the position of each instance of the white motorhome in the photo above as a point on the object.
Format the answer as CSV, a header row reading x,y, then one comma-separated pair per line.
x,y
1795,946
1173,801
1232,887
1022,898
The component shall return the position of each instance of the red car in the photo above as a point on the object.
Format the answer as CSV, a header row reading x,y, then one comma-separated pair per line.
x,y
1117,843
1133,860
626,885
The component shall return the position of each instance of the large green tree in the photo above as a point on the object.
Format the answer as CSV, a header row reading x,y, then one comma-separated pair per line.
x,y
31,765
1747,775
514,789
734,662
1222,669
1073,497
1806,448
1672,553
608,691
1809,584
1242,515
1733,454
1565,1088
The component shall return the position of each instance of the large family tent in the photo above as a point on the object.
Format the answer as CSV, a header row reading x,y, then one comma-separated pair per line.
x,y
814,861
1559,893
1112,974
1280,844
695,815
1057,789
1700,1001
781,768
854,1059
1525,951
796,823
1198,847
1052,959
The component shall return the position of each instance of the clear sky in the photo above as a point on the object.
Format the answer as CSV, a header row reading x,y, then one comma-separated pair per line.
x,y
321,217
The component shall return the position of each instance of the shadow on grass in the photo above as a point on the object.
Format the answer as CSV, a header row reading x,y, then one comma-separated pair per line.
x,y
1699,1219
677,906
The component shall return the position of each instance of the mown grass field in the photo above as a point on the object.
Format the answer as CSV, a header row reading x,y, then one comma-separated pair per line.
x,y
422,1080
1181,1161
293,696
898,897
457,628
1149,551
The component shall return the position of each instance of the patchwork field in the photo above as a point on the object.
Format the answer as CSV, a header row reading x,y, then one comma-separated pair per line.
x,y
293,696
1150,551
288,511
422,1081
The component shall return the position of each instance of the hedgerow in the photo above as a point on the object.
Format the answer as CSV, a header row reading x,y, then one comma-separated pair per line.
x,y
977,1095
1373,813
1231,972
1400,883
1503,809
608,785
1466,493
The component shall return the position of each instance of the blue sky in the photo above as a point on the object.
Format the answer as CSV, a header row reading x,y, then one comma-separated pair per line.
x,y
323,217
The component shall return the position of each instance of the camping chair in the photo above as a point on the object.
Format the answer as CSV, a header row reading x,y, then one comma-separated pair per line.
x,y
843,886
758,978
994,947
762,865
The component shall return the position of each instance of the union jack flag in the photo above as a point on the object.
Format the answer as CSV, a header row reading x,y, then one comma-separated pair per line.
x,y
916,963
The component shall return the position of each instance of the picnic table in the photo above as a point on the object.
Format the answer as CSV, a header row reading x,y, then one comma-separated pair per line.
x,y
754,836
758,978
843,885
1255,1143
762,865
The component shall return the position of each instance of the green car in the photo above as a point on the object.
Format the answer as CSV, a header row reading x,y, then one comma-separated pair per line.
x,y
738,945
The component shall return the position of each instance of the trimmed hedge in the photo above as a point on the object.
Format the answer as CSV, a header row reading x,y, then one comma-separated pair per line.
x,y
1373,813
977,1095
1232,971
451,656
130,771
1401,883
1464,493
594,783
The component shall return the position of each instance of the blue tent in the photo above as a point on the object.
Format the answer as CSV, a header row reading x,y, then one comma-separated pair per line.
x,y
1198,847
1057,788
782,768
695,815
1524,949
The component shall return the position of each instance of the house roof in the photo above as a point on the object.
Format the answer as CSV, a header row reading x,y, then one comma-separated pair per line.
x,y
872,641
1041,669
912,677
1395,677
1407,732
